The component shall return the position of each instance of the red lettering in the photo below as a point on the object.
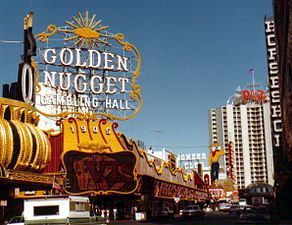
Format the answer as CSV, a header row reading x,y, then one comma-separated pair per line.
x,y
258,96
245,96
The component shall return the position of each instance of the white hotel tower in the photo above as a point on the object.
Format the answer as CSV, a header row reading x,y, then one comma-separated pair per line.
x,y
248,126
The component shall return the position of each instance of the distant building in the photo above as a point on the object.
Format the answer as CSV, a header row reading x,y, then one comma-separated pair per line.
x,y
246,122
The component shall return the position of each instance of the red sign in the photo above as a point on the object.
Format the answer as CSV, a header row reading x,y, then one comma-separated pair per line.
x,y
165,189
258,96
94,172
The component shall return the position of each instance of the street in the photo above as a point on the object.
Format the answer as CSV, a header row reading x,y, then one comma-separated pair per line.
x,y
211,218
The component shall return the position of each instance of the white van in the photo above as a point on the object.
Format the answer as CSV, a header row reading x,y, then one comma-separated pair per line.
x,y
57,210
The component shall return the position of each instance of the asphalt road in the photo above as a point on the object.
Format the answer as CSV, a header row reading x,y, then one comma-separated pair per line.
x,y
211,218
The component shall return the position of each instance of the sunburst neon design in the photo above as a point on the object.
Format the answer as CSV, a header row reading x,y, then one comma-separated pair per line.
x,y
86,31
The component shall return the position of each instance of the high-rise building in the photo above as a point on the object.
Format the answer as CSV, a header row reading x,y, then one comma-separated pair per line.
x,y
246,123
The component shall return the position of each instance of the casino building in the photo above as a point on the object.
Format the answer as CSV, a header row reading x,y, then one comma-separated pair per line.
x,y
83,153
245,122
281,30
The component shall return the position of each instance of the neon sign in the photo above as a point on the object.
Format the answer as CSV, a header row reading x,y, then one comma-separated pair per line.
x,y
85,70
258,96
274,84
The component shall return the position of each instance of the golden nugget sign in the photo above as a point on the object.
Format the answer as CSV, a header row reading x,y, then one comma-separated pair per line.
x,y
86,69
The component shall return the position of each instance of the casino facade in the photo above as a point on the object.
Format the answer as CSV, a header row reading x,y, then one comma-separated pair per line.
x,y
280,30
58,126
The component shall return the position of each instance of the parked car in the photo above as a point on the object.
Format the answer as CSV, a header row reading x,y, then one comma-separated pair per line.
x,y
164,212
252,214
224,204
243,202
235,208
192,211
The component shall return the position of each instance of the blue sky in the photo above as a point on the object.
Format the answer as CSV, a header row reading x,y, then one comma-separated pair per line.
x,y
194,55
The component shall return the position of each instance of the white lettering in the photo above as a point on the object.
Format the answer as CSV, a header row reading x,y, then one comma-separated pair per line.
x,y
78,59
110,85
53,57
27,83
277,125
270,27
122,63
272,53
108,103
115,104
49,79
123,81
277,140
108,58
273,82
94,102
80,84
275,96
276,110
66,56
91,59
271,40
273,68
100,84
65,83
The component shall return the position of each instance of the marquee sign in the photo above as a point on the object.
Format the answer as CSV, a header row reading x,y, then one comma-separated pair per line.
x,y
274,87
171,190
83,68
94,158
274,84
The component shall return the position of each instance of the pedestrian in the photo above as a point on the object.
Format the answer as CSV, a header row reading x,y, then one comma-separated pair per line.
x,y
107,215
103,213
115,212
133,212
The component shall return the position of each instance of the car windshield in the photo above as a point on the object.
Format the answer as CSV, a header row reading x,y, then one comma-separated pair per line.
x,y
163,209
17,219
192,207
261,210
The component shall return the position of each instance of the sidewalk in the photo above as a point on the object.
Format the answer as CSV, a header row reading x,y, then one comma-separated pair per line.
x,y
122,221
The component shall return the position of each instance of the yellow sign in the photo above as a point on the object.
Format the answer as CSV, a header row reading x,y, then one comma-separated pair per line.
x,y
90,136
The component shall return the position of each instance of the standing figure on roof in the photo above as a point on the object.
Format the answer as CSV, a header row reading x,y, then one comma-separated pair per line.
x,y
215,152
